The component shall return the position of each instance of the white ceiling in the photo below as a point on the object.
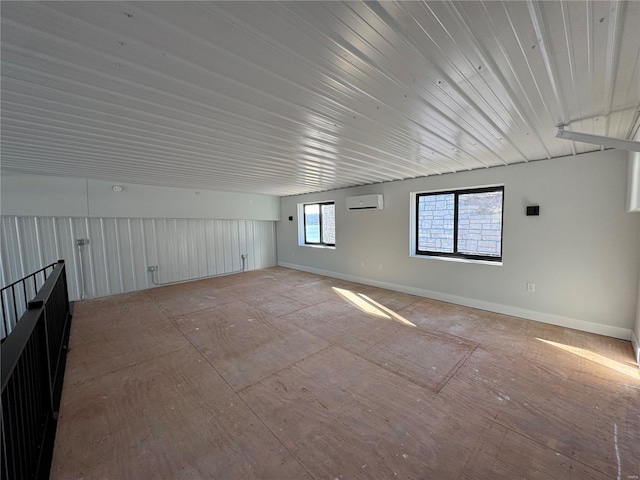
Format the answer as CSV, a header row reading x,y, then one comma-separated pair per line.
x,y
295,97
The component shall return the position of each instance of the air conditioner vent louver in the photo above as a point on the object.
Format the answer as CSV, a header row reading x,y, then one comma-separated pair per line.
x,y
365,202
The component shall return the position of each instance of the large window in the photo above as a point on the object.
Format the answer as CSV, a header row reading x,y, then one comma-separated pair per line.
x,y
320,223
460,223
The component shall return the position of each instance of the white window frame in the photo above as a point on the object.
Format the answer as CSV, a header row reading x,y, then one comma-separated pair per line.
x,y
301,242
413,228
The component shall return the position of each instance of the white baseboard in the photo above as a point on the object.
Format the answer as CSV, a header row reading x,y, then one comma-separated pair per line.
x,y
635,343
598,328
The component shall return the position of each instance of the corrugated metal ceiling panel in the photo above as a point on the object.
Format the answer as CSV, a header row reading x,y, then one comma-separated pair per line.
x,y
294,97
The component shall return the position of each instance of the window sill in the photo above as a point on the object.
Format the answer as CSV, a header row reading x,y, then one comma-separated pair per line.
x,y
454,259
327,247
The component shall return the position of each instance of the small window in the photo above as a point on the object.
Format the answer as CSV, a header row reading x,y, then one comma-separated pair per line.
x,y
320,223
460,223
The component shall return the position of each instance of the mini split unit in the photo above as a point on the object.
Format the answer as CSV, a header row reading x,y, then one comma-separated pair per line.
x,y
365,202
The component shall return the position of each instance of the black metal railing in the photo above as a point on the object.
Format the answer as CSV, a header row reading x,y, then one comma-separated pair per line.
x,y
15,298
33,360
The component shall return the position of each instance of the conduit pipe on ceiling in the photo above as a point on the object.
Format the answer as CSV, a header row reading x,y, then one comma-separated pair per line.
x,y
620,144
154,268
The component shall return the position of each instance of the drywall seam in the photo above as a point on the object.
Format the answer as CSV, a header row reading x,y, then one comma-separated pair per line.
x,y
598,328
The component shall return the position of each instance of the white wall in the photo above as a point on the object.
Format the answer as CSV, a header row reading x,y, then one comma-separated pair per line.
x,y
36,195
633,205
186,233
633,188
581,252
636,330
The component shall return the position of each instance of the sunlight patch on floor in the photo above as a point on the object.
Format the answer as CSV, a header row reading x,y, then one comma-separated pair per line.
x,y
370,306
629,370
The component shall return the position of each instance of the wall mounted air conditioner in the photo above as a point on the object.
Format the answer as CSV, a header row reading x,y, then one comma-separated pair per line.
x,y
365,202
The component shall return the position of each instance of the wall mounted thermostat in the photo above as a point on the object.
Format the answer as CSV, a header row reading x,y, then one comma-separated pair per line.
x,y
533,210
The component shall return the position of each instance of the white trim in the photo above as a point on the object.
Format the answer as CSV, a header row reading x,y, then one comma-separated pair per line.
x,y
456,259
598,328
310,245
635,343
300,223
453,189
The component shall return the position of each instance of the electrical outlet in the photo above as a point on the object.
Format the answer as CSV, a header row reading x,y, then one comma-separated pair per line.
x,y
531,287
379,266
362,264
152,268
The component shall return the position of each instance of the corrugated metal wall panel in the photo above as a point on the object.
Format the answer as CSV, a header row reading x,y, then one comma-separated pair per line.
x,y
238,95
119,250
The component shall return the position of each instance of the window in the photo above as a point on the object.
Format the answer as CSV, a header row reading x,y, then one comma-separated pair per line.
x,y
461,224
319,223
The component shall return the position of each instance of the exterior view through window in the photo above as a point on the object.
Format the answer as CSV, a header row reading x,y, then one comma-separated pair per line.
x,y
460,223
320,224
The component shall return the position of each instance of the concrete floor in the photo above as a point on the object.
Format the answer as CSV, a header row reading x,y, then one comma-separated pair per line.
x,y
280,374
